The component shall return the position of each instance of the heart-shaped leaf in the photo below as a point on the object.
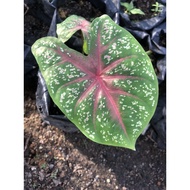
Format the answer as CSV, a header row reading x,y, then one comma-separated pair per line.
x,y
110,94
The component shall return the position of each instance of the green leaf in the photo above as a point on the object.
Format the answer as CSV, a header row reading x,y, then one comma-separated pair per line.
x,y
111,93
72,24
137,11
128,6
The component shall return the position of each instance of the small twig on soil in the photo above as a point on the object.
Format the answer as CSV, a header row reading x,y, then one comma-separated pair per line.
x,y
149,136
27,141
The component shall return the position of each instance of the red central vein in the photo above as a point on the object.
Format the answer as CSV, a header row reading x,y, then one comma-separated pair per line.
x,y
116,63
74,82
120,77
76,60
121,92
86,93
98,53
113,106
97,96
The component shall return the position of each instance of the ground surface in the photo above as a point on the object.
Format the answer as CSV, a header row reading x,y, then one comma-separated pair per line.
x,y
57,160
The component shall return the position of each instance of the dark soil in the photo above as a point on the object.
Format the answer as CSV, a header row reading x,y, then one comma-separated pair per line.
x,y
79,7
143,5
32,31
57,160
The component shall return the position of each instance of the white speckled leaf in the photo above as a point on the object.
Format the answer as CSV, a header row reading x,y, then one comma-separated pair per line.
x,y
71,25
111,94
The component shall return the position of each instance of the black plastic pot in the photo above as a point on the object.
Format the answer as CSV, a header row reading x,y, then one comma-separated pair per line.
x,y
148,35
40,14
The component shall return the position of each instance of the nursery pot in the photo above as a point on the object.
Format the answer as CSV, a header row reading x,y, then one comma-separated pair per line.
x,y
49,13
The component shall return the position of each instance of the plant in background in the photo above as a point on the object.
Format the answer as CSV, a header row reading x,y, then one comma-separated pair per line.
x,y
130,9
156,8
109,92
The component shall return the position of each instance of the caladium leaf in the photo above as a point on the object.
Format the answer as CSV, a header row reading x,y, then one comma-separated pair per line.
x,y
110,94
71,25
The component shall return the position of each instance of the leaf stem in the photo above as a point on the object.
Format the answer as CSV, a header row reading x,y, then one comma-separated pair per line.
x,y
149,52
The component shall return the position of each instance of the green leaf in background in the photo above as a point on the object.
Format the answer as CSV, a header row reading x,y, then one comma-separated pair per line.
x,y
130,9
137,11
